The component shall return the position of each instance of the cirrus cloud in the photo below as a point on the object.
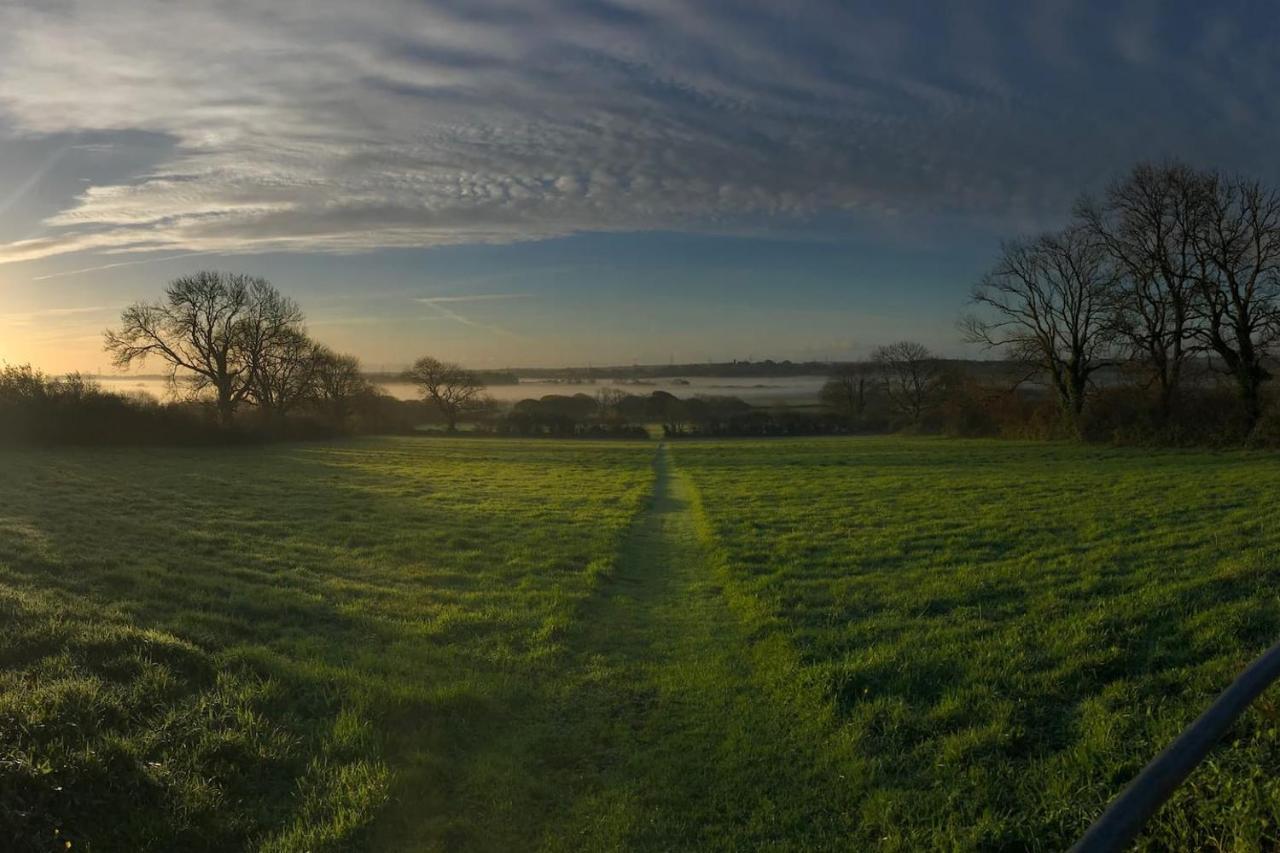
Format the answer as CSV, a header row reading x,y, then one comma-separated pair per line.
x,y
320,125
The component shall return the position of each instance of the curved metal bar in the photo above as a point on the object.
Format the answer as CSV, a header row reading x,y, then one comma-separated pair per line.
x,y
1129,812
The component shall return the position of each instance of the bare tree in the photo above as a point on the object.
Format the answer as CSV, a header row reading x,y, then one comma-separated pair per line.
x,y
196,331
608,402
336,383
453,389
283,371
276,350
910,376
1047,304
210,329
1238,258
845,392
1148,223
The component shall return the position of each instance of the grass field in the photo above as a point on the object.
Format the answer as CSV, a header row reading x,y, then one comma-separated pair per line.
x,y
1002,634
438,644
270,648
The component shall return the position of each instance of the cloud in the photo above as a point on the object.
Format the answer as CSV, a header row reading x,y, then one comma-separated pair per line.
x,y
444,313
117,264
319,125
439,305
474,297
45,315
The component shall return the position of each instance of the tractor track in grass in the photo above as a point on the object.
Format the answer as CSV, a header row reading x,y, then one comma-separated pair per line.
x,y
672,740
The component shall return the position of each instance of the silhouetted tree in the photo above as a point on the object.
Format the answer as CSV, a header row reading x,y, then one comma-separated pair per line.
x,y
1238,259
910,376
845,392
283,372
1149,224
668,409
1047,303
608,404
207,329
453,389
337,384
276,350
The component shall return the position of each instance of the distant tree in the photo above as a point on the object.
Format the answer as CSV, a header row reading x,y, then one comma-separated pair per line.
x,y
1238,304
910,376
209,329
1047,303
578,407
337,384
1150,223
668,409
22,382
845,392
453,389
609,404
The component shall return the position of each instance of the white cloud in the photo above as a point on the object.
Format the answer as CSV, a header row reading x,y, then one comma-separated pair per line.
x,y
475,297
322,125
46,315
443,312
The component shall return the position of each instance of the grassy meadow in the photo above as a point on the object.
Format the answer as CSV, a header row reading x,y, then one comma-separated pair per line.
x,y
1000,635
289,648
486,644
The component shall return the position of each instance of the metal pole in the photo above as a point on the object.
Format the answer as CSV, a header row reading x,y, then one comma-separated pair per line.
x,y
1129,812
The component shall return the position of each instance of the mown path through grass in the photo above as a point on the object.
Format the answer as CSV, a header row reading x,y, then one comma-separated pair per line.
x,y
676,742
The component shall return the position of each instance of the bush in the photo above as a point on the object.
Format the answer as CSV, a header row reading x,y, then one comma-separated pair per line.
x,y
39,410
578,416
762,423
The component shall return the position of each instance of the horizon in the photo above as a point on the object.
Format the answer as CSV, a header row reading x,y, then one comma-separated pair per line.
x,y
653,369
584,182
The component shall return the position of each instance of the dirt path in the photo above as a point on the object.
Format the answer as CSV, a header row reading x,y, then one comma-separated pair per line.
x,y
679,747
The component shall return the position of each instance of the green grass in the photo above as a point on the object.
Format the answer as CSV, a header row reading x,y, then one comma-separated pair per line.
x,y
462,644
1000,635
293,648
676,741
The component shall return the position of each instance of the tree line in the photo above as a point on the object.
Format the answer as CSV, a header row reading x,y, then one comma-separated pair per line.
x,y
1168,268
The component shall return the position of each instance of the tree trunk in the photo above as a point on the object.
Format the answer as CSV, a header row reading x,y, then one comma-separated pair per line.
x,y
1249,382
226,409
1169,379
1073,402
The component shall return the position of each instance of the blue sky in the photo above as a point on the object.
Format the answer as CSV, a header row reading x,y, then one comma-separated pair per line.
x,y
545,182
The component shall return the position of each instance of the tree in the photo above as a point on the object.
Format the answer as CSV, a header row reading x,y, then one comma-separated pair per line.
x,y
276,350
1238,287
668,409
1149,224
609,403
198,330
845,392
234,335
336,383
910,376
1047,303
283,372
453,389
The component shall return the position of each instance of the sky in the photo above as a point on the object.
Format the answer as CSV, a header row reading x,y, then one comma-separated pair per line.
x,y
537,182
